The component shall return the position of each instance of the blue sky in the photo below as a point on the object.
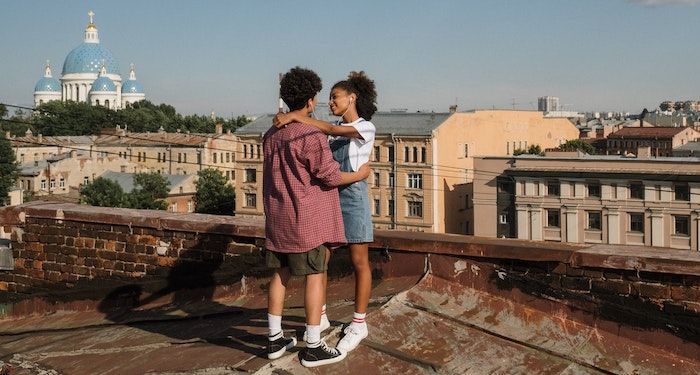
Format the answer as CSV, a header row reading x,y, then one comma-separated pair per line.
x,y
424,55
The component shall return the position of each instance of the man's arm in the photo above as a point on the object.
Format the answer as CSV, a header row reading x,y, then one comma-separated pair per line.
x,y
322,166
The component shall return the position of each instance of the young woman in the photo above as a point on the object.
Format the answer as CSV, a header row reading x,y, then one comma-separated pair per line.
x,y
352,143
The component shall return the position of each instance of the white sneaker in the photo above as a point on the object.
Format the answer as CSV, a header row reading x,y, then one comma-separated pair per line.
x,y
352,338
325,324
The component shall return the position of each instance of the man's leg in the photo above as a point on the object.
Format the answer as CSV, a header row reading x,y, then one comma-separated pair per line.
x,y
277,344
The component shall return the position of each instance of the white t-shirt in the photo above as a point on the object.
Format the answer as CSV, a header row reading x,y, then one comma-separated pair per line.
x,y
360,149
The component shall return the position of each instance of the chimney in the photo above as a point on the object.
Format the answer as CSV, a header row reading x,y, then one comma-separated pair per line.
x,y
40,138
219,128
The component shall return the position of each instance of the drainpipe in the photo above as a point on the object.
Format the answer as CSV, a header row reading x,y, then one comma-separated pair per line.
x,y
170,159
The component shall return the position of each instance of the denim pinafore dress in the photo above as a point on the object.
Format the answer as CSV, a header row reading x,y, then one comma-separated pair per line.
x,y
354,198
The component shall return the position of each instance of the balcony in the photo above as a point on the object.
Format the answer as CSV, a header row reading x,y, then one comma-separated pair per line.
x,y
118,291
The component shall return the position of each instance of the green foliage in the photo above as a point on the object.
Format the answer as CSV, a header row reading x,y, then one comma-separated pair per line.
x,y
577,145
103,192
150,190
9,170
214,195
532,150
77,118
3,110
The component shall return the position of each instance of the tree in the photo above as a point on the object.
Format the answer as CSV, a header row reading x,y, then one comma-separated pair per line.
x,y
103,192
3,111
150,190
577,145
9,170
214,195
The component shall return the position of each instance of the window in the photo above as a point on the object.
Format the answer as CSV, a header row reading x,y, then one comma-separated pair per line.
x,y
682,225
52,184
62,183
553,188
245,151
415,154
682,192
391,153
228,157
613,191
250,175
593,189
422,155
377,206
190,206
43,184
86,180
258,148
391,179
415,209
251,200
179,157
390,207
214,157
466,150
636,190
406,151
184,157
376,153
594,220
553,218
415,181
157,156
637,222
466,201
376,179
228,175
173,207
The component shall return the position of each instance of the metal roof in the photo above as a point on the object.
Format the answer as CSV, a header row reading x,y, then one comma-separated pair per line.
x,y
405,124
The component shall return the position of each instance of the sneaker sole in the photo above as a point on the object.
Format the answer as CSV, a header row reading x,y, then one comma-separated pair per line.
x,y
324,361
281,352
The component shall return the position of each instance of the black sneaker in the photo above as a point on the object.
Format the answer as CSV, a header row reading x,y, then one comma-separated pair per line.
x,y
321,355
278,344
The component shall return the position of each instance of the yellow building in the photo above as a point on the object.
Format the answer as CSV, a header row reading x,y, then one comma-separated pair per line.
x,y
419,160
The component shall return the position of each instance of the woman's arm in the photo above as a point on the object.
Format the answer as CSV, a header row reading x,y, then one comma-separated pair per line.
x,y
282,119
347,178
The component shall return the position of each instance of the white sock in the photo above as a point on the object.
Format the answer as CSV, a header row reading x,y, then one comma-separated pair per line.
x,y
313,335
274,322
358,321
323,312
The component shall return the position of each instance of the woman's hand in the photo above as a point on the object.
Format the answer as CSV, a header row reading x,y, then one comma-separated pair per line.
x,y
282,119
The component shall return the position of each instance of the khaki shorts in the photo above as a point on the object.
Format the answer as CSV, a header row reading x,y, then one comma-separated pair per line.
x,y
300,264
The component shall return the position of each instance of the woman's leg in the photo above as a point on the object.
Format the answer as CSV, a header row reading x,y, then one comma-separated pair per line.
x,y
359,254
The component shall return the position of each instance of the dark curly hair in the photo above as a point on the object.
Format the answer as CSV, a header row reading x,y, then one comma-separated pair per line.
x,y
359,84
299,85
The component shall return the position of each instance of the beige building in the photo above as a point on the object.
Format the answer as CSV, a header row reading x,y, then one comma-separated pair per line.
x,y
64,173
420,160
570,197
660,140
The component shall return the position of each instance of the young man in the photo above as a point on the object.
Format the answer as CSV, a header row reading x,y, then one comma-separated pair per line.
x,y
302,215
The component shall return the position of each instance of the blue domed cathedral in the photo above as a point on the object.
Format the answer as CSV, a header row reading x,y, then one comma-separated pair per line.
x,y
90,74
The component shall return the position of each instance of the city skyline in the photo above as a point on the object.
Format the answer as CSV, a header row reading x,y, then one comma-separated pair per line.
x,y
224,57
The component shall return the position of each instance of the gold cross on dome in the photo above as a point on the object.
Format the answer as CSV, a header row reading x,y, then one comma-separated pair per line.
x,y
91,14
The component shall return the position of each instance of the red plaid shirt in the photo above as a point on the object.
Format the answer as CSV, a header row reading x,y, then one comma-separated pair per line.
x,y
300,195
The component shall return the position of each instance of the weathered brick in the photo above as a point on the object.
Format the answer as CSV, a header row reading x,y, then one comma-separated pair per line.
x,y
593,274
166,261
140,268
110,245
129,267
89,242
37,264
685,293
575,283
105,254
148,240
36,246
99,244
127,257
610,287
649,290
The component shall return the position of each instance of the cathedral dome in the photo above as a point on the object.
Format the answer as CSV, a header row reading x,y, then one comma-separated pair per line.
x,y
102,83
132,86
88,58
48,84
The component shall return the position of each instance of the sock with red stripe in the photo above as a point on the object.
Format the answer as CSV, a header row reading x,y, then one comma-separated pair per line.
x,y
358,322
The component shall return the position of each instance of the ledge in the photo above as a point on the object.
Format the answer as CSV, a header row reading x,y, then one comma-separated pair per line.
x,y
636,258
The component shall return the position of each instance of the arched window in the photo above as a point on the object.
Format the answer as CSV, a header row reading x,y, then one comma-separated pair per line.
x,y
77,93
107,103
97,101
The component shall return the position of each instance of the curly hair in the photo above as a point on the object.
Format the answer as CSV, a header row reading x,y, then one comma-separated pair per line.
x,y
299,85
358,83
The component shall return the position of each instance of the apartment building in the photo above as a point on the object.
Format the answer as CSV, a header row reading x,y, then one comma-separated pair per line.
x,y
571,197
161,152
660,140
419,160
